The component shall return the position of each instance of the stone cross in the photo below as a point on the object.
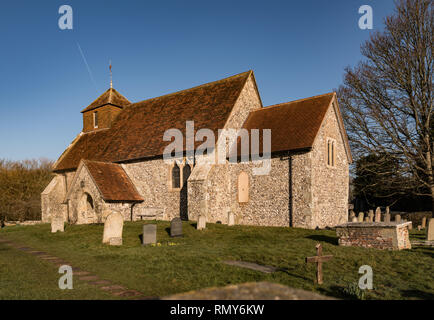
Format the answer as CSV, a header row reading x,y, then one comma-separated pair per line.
x,y
360,218
318,259
113,227
201,222
423,222
378,215
430,230
371,215
398,218
176,227
149,234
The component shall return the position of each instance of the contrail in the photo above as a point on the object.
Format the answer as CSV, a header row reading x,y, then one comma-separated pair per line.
x,y
87,66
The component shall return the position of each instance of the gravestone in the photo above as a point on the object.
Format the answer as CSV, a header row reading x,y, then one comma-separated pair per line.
x,y
423,222
371,215
149,235
352,215
387,210
419,227
176,227
367,219
378,215
387,217
201,223
231,218
57,224
115,241
410,226
355,219
113,227
430,230
203,207
360,218
398,218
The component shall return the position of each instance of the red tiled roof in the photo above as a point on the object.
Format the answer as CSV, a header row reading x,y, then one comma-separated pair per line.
x,y
111,96
112,181
138,130
294,125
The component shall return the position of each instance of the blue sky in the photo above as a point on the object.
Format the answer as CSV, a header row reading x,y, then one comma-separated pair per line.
x,y
296,48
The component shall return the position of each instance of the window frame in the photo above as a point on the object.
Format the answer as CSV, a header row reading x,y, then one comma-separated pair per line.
x,y
95,119
331,153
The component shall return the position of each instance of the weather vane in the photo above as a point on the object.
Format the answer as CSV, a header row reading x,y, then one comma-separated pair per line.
x,y
111,76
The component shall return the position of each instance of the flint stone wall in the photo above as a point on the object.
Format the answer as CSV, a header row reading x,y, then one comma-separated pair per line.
x,y
382,235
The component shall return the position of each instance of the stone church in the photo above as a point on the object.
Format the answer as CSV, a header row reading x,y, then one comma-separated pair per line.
x,y
116,163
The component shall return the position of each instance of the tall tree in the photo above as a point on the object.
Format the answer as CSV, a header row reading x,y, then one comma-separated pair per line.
x,y
387,99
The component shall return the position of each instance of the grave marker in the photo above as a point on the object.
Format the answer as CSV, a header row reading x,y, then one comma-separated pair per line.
x,y
113,227
176,227
149,235
318,259
378,215
423,222
430,230
57,224
201,223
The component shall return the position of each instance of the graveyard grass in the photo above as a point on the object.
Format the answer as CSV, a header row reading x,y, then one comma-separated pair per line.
x,y
195,261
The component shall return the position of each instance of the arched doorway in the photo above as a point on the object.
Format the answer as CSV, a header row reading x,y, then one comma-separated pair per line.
x,y
86,209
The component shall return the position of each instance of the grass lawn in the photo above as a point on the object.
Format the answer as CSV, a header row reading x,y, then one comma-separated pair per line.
x,y
195,261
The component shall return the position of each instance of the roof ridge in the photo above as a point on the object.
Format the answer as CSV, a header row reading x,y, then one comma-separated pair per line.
x,y
294,101
249,72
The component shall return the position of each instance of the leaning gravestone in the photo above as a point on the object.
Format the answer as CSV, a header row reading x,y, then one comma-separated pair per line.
x,y
360,218
398,218
149,234
378,215
57,224
423,222
176,227
231,218
201,223
113,227
430,230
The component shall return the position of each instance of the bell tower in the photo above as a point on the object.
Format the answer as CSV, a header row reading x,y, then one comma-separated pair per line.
x,y
101,113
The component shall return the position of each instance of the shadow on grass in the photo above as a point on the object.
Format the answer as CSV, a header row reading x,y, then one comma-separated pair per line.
x,y
328,239
417,294
286,270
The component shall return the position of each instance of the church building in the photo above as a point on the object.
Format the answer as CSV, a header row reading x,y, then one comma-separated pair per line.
x,y
117,162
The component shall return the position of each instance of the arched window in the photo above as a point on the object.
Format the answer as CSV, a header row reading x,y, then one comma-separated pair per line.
x,y
89,202
186,171
243,187
331,152
95,119
176,177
